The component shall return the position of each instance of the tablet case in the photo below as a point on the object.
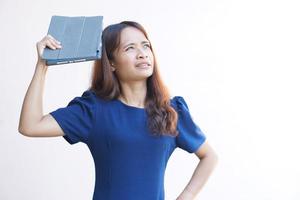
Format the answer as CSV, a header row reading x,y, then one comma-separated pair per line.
x,y
80,38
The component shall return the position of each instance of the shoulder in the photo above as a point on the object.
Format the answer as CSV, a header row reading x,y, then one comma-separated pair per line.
x,y
179,103
88,98
91,95
93,99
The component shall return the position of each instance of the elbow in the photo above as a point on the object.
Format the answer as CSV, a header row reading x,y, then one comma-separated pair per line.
x,y
216,158
213,157
23,131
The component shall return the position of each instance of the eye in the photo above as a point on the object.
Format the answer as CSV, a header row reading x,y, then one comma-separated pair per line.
x,y
147,45
131,47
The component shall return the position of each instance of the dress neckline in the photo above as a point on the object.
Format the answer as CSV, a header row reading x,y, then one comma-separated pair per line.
x,y
129,106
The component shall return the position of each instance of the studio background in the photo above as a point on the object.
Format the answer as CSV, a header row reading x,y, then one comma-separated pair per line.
x,y
235,62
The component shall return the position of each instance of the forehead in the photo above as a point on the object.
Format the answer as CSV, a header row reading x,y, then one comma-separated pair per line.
x,y
131,35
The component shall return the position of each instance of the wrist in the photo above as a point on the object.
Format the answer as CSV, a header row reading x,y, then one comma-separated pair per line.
x,y
186,196
40,61
40,70
41,64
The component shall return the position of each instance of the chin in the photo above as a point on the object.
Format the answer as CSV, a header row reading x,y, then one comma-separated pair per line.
x,y
145,76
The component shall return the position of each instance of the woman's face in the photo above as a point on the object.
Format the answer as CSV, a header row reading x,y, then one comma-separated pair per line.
x,y
133,60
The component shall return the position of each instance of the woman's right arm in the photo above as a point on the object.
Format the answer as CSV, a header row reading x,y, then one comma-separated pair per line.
x,y
32,122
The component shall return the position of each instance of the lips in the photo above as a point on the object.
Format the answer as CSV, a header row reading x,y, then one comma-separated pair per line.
x,y
143,64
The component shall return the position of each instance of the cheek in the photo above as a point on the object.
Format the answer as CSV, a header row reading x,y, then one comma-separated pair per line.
x,y
128,58
125,60
151,56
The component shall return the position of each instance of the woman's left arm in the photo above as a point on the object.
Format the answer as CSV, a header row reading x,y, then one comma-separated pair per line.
x,y
208,160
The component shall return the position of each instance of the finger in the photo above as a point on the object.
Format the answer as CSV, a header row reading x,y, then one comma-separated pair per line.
x,y
53,42
50,42
50,36
57,43
50,45
53,39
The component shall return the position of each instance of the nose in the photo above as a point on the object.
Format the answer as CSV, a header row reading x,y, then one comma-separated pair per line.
x,y
142,54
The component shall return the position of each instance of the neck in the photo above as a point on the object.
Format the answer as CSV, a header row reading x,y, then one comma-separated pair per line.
x,y
134,93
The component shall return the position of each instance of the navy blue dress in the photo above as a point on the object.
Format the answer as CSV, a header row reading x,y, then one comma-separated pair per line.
x,y
129,162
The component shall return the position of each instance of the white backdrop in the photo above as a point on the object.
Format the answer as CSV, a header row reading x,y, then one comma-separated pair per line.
x,y
235,62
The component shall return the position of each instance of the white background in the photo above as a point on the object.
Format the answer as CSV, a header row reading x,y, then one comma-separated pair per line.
x,y
235,62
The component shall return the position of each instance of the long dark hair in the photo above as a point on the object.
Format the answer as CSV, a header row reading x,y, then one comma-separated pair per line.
x,y
162,118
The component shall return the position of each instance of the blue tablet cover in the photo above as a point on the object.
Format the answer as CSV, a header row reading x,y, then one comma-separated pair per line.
x,y
80,38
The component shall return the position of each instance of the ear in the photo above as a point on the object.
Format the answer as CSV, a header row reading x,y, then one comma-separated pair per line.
x,y
112,65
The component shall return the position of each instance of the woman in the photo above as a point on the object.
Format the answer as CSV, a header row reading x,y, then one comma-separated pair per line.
x,y
126,117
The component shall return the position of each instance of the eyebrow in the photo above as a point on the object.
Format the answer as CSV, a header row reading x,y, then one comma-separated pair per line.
x,y
143,42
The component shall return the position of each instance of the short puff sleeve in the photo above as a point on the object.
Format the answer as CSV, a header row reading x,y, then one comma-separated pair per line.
x,y
190,136
77,118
